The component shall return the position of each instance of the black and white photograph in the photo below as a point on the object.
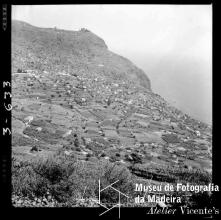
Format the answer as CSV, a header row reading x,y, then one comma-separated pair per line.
x,y
112,108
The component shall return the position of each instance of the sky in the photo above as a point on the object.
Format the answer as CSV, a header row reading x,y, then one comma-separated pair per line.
x,y
171,43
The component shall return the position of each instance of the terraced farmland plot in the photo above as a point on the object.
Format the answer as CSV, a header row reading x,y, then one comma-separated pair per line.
x,y
111,134
88,121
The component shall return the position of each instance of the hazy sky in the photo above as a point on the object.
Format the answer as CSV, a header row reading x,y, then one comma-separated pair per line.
x,y
171,43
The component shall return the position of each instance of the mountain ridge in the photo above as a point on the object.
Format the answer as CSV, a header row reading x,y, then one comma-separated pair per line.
x,y
75,102
82,43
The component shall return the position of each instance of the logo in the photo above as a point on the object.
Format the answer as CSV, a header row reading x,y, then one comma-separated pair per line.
x,y
120,195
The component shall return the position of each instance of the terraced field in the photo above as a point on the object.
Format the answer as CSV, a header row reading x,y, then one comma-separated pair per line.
x,y
92,112
59,120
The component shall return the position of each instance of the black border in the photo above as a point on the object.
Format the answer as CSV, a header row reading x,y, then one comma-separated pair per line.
x,y
5,76
5,154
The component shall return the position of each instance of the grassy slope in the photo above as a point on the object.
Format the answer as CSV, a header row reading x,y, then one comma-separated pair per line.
x,y
59,50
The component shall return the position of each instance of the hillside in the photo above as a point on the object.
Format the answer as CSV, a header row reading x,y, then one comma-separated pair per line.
x,y
69,51
75,99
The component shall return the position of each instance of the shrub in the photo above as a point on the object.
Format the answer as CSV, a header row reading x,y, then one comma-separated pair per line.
x,y
26,181
54,169
112,172
201,199
69,180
